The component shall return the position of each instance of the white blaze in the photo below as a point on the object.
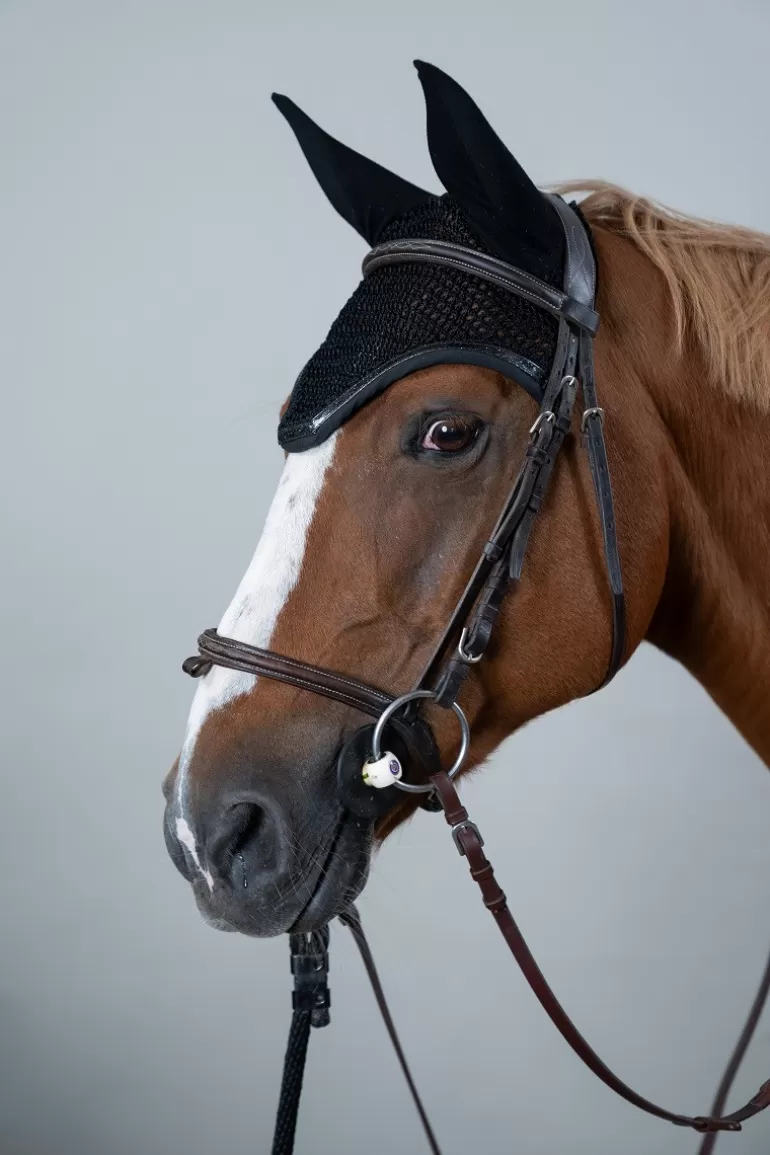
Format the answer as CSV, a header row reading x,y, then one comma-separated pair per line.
x,y
187,838
254,611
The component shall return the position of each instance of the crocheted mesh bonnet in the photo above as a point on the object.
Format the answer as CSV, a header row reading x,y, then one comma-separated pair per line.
x,y
406,316
402,314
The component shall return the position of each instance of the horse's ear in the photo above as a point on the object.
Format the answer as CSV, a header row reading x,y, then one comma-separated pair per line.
x,y
367,195
502,205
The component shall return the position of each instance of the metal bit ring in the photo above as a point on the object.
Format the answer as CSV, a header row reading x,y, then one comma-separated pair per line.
x,y
387,714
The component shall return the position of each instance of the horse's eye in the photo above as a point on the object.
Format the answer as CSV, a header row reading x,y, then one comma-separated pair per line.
x,y
451,434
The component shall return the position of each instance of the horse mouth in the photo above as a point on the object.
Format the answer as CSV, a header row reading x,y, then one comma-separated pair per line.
x,y
341,872
342,876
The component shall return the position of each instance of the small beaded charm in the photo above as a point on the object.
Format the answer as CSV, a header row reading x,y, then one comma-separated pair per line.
x,y
384,772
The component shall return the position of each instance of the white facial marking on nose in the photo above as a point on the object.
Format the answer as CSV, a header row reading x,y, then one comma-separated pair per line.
x,y
254,611
187,838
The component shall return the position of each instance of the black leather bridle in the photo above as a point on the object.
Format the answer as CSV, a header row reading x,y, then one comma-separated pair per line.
x,y
471,625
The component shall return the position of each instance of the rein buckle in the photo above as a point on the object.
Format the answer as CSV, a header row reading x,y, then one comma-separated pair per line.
x,y
465,825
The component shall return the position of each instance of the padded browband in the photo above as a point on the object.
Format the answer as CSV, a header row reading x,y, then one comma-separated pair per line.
x,y
490,269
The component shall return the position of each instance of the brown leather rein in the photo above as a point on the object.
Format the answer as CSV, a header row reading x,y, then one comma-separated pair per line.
x,y
498,568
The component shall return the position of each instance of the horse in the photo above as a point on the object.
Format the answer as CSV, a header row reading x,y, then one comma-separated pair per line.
x,y
403,436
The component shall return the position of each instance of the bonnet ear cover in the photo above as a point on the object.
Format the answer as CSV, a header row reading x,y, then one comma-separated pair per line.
x,y
504,208
408,316
367,195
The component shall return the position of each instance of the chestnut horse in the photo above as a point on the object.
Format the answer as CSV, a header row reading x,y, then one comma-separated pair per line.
x,y
373,533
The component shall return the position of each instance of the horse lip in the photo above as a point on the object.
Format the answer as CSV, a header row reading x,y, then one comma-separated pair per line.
x,y
342,875
338,881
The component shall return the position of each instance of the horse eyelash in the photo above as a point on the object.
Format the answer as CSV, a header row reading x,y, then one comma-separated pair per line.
x,y
467,420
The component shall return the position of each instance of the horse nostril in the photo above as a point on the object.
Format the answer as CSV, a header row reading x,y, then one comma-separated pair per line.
x,y
249,820
244,845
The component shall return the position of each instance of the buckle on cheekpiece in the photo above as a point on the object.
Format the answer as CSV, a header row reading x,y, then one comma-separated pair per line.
x,y
594,411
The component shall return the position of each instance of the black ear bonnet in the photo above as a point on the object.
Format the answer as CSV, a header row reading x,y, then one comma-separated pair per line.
x,y
404,317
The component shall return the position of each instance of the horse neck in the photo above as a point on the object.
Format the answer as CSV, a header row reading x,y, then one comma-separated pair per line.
x,y
713,613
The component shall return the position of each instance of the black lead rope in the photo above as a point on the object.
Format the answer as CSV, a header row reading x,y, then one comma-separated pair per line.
x,y
309,954
291,1084
310,1002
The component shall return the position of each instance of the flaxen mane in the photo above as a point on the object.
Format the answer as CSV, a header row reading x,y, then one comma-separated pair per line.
x,y
718,276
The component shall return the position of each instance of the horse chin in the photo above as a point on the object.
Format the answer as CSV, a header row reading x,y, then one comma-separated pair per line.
x,y
343,878
335,883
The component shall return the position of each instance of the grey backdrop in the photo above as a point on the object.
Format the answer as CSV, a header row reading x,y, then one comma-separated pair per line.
x,y
154,211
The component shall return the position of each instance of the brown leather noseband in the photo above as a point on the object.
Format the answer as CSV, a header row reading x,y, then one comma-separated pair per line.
x,y
498,568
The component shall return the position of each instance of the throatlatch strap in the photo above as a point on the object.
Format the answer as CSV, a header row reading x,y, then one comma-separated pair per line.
x,y
593,437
